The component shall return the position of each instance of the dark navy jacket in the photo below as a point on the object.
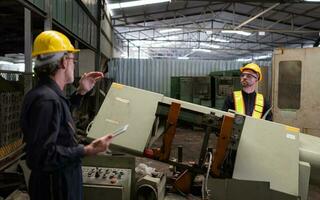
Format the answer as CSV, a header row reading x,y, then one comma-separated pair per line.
x,y
52,152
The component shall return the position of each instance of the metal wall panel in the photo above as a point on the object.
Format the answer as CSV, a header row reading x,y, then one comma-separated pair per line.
x,y
154,74
69,16
85,28
94,35
105,26
80,23
63,12
92,6
38,3
106,47
75,17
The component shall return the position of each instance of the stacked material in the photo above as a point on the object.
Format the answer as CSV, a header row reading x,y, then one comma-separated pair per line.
x,y
9,121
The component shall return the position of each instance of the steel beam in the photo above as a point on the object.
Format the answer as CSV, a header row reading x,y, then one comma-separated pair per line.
x,y
222,29
256,16
27,50
222,49
216,42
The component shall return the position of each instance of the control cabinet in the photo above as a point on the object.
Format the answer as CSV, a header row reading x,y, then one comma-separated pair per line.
x,y
108,177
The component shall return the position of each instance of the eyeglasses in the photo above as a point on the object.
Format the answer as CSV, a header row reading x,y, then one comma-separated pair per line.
x,y
74,59
250,76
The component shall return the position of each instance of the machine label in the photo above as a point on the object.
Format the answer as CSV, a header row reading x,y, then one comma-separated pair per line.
x,y
117,85
291,136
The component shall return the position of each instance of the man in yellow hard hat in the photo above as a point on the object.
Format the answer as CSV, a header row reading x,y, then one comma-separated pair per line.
x,y
52,152
248,101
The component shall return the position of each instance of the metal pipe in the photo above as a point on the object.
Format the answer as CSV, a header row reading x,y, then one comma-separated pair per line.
x,y
256,16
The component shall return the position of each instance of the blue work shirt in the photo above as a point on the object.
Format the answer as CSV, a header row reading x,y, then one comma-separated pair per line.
x,y
52,151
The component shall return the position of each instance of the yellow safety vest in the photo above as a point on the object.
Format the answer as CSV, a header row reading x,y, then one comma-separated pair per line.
x,y
240,106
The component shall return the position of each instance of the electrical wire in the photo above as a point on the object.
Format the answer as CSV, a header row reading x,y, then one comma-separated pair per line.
x,y
204,188
88,127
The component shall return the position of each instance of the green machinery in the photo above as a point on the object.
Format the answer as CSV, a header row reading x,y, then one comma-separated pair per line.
x,y
209,91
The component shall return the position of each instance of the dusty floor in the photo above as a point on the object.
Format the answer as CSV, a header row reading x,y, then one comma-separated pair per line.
x,y
191,141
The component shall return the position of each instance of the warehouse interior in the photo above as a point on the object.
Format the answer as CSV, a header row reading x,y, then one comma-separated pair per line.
x,y
169,68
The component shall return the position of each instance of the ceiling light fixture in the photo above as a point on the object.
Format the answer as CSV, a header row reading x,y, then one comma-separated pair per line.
x,y
202,50
244,59
135,3
174,37
170,30
262,57
210,45
183,58
236,32
219,40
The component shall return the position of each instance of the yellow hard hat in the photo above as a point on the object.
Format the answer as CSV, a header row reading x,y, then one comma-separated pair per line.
x,y
254,67
51,42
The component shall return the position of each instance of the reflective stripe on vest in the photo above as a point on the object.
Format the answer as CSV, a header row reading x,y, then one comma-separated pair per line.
x,y
240,106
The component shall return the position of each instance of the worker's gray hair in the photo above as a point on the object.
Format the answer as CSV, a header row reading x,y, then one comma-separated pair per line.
x,y
48,64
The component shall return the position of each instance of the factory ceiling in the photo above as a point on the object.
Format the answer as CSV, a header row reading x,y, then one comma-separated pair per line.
x,y
191,29
215,29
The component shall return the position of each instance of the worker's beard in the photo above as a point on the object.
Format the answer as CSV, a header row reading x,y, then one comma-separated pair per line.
x,y
246,83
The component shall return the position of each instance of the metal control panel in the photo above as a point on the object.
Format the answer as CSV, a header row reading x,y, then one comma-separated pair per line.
x,y
108,177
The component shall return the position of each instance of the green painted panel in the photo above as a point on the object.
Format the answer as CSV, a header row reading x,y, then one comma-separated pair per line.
x,y
80,23
206,102
94,36
58,10
63,12
92,6
85,28
38,3
186,89
175,87
75,17
202,87
226,73
54,9
69,13
89,31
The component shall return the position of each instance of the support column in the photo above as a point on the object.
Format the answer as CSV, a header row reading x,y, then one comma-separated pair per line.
x,y
48,20
27,50
76,69
98,54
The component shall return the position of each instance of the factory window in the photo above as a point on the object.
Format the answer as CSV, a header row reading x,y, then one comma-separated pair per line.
x,y
289,93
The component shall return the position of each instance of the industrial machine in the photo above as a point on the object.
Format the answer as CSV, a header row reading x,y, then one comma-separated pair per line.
x,y
149,187
108,177
258,157
296,88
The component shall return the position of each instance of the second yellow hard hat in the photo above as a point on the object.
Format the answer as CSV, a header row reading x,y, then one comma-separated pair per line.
x,y
254,67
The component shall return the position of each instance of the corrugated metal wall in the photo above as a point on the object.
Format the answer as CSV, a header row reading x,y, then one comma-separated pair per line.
x,y
154,74
73,16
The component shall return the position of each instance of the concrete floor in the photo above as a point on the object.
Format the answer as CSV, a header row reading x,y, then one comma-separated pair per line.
x,y
191,141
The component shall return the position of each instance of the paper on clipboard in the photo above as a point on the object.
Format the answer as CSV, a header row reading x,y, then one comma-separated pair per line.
x,y
120,130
